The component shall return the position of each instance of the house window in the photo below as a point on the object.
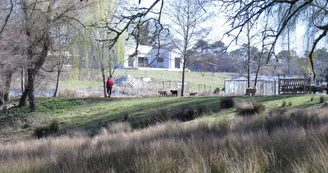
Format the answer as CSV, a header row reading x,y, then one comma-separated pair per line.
x,y
142,62
177,62
131,62
160,59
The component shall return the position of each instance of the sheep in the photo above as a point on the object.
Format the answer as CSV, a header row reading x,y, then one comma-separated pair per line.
x,y
174,93
250,91
162,93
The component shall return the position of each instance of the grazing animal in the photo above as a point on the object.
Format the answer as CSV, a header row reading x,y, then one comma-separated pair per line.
x,y
250,91
174,93
216,91
193,94
162,93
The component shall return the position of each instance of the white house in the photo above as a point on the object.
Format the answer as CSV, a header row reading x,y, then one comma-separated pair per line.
x,y
147,58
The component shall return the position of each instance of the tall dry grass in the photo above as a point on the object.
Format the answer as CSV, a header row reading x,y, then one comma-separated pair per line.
x,y
240,145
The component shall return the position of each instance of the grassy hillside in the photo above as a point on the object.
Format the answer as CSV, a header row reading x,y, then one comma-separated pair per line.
x,y
292,138
212,80
92,113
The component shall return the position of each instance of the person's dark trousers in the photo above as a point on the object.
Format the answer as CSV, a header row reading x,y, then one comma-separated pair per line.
x,y
109,91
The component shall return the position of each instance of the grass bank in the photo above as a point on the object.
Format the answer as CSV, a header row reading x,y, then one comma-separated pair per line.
x,y
195,79
293,140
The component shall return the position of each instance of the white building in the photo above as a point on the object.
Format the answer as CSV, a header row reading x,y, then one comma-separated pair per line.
x,y
147,58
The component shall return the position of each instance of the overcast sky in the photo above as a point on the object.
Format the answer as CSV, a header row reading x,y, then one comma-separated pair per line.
x,y
297,39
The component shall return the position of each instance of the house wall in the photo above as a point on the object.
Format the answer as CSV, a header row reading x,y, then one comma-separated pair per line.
x,y
165,54
238,87
150,53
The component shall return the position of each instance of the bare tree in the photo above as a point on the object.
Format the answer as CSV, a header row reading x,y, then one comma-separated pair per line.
x,y
312,13
187,18
8,7
39,19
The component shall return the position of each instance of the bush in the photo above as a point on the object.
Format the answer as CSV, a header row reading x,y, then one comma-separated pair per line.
x,y
312,98
290,103
249,107
54,126
68,93
186,114
297,118
274,120
200,110
284,103
322,99
303,118
159,116
113,128
226,102
126,117
48,130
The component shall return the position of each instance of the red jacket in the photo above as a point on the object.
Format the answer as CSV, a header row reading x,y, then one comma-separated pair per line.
x,y
109,84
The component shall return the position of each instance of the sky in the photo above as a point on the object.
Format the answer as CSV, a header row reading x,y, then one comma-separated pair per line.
x,y
220,27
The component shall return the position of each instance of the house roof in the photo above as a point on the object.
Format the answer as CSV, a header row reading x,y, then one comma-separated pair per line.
x,y
142,49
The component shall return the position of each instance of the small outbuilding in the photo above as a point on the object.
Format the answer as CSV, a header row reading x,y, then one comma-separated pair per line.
x,y
266,85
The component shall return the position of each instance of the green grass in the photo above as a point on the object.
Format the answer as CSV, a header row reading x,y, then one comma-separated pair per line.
x,y
194,79
84,113
297,141
71,84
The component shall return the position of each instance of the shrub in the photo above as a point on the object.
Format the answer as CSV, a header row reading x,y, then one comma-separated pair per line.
x,y
226,102
290,103
325,104
186,114
159,116
312,98
126,117
68,93
200,110
48,130
297,118
284,103
121,127
53,126
322,99
41,132
274,120
302,118
249,107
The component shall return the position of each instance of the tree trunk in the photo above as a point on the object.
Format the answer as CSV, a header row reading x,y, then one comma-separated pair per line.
x,y
257,74
8,77
57,83
29,91
248,57
104,79
31,73
22,80
288,55
183,76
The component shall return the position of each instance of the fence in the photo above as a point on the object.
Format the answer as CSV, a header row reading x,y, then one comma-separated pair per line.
x,y
294,86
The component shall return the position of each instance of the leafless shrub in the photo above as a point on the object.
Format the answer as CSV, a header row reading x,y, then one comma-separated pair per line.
x,y
249,107
68,93
322,99
226,102
159,116
284,103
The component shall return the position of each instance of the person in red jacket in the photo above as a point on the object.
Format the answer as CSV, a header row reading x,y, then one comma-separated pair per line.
x,y
109,86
